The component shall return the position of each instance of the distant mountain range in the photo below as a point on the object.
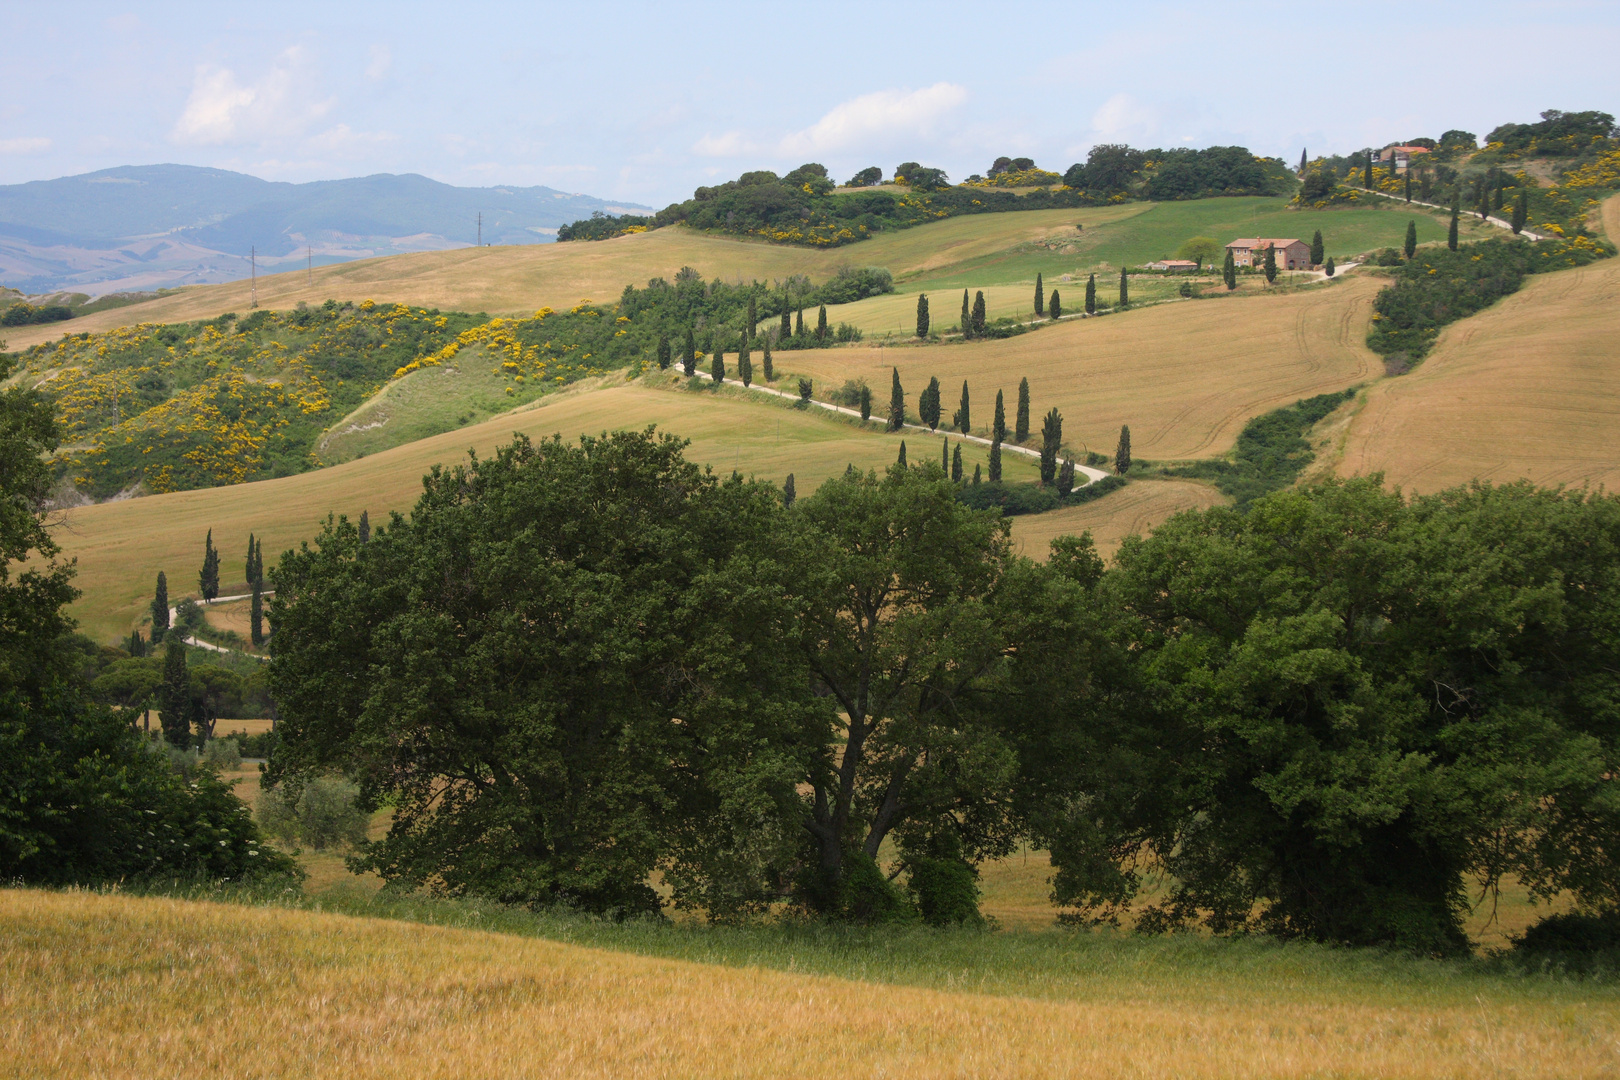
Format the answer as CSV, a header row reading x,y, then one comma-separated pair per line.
x,y
145,227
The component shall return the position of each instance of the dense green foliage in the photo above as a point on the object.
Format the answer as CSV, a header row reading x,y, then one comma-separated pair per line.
x,y
1270,454
1112,170
1032,498
600,226
26,314
1557,134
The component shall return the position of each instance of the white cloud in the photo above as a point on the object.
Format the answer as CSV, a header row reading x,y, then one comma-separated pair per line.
x,y
222,110
342,139
874,118
1122,117
24,146
382,58
730,144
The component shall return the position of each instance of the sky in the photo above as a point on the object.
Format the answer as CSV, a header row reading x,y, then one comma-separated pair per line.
x,y
643,102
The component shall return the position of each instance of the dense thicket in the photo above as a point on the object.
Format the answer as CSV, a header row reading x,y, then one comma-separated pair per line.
x,y
1270,454
1557,134
1114,169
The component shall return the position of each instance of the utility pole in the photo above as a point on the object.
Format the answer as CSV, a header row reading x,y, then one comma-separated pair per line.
x,y
253,255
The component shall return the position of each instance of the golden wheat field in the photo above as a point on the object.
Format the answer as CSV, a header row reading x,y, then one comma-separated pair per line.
x,y
1133,510
259,992
1530,387
1185,376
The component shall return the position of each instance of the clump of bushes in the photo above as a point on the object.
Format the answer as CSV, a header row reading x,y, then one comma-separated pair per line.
x,y
321,813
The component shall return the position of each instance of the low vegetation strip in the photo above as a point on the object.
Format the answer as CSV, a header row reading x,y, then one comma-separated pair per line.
x,y
1271,451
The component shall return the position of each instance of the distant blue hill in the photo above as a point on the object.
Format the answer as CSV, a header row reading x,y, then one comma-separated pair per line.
x,y
148,226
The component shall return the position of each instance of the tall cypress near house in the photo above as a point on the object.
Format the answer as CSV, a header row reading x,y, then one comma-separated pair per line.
x,y
995,462
1122,453
897,408
1065,479
1271,263
765,358
1040,296
1408,185
174,696
664,354
1229,271
1124,289
208,577
689,357
901,460
967,315
978,313
922,315
160,608
1521,212
821,324
256,616
963,424
717,366
1021,419
998,426
1318,248
1091,295
1051,440
1056,306
1451,231
745,364
1410,247
956,463
866,402
788,492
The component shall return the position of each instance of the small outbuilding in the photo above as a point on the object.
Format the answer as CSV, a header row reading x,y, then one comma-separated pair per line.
x,y
1172,264
1251,251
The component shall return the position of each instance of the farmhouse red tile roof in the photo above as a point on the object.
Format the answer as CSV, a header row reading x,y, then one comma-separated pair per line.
x,y
1260,242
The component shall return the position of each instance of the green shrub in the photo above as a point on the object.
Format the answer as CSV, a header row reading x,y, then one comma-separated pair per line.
x,y
323,813
223,755
1271,450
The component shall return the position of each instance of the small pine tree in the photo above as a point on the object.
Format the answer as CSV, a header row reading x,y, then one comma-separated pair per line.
x,y
866,402
1451,231
1318,248
821,323
998,426
745,364
174,696
208,578
1521,212
1051,440
956,463
901,460
689,357
717,366
995,462
160,608
1021,419
1229,271
1410,247
1329,269
1124,289
256,617
1040,296
788,492
765,357
1122,453
1065,479
806,388
897,408
922,315
1056,305
978,314
664,354
1091,295
967,315
1271,263
963,423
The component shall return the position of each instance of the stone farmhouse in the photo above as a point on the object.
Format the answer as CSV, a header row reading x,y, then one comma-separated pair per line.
x,y
1251,251
1401,156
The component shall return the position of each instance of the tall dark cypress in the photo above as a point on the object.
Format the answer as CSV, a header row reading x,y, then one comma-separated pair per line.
x,y
945,456
689,357
1229,271
258,551
1091,295
928,406
998,426
967,315
1056,306
897,409
160,608
1124,289
1408,184
1497,189
1021,419
753,318
1304,163
1451,231
901,460
963,423
922,315
174,695
956,463
1521,211
789,495
995,462
1410,247
745,363
821,324
787,319
977,477
1065,479
208,578
664,354
365,530
1122,453
256,616
1040,296
717,366
866,402
765,357
798,327
1318,248
978,313
1270,264
247,574
1051,440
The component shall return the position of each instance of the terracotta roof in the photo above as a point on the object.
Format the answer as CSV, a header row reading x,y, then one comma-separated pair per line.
x,y
1261,242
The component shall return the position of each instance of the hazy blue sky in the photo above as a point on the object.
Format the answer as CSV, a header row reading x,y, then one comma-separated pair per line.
x,y
644,101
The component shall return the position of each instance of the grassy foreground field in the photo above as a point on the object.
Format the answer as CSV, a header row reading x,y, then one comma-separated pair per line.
x,y
171,987
1527,388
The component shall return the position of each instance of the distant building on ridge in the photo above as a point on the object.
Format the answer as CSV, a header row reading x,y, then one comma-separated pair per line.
x,y
1291,254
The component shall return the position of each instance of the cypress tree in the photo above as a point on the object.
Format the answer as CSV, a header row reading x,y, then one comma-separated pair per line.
x,y
1065,480
1521,211
717,366
956,463
745,364
1408,185
901,460
1021,419
1318,248
1122,453
798,331
1056,307
866,402
1091,295
208,578
788,493
664,354
1051,439
1451,231
1329,269
753,318
365,533
963,423
922,315
1303,163
787,318
1229,271
977,478
998,426
1410,247
256,616
821,323
1124,289
1367,183
689,357
806,388
897,409
174,696
995,462
160,608
1040,296
765,341
978,313
928,406
967,315
258,552
945,456
1497,195
248,572
1271,263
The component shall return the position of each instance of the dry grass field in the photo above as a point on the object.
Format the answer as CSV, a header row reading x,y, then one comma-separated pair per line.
x,y
1133,510
114,986
1527,388
1184,376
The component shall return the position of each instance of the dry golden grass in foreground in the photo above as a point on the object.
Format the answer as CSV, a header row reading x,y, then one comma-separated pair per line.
x,y
1527,388
123,987
1185,376
1133,510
